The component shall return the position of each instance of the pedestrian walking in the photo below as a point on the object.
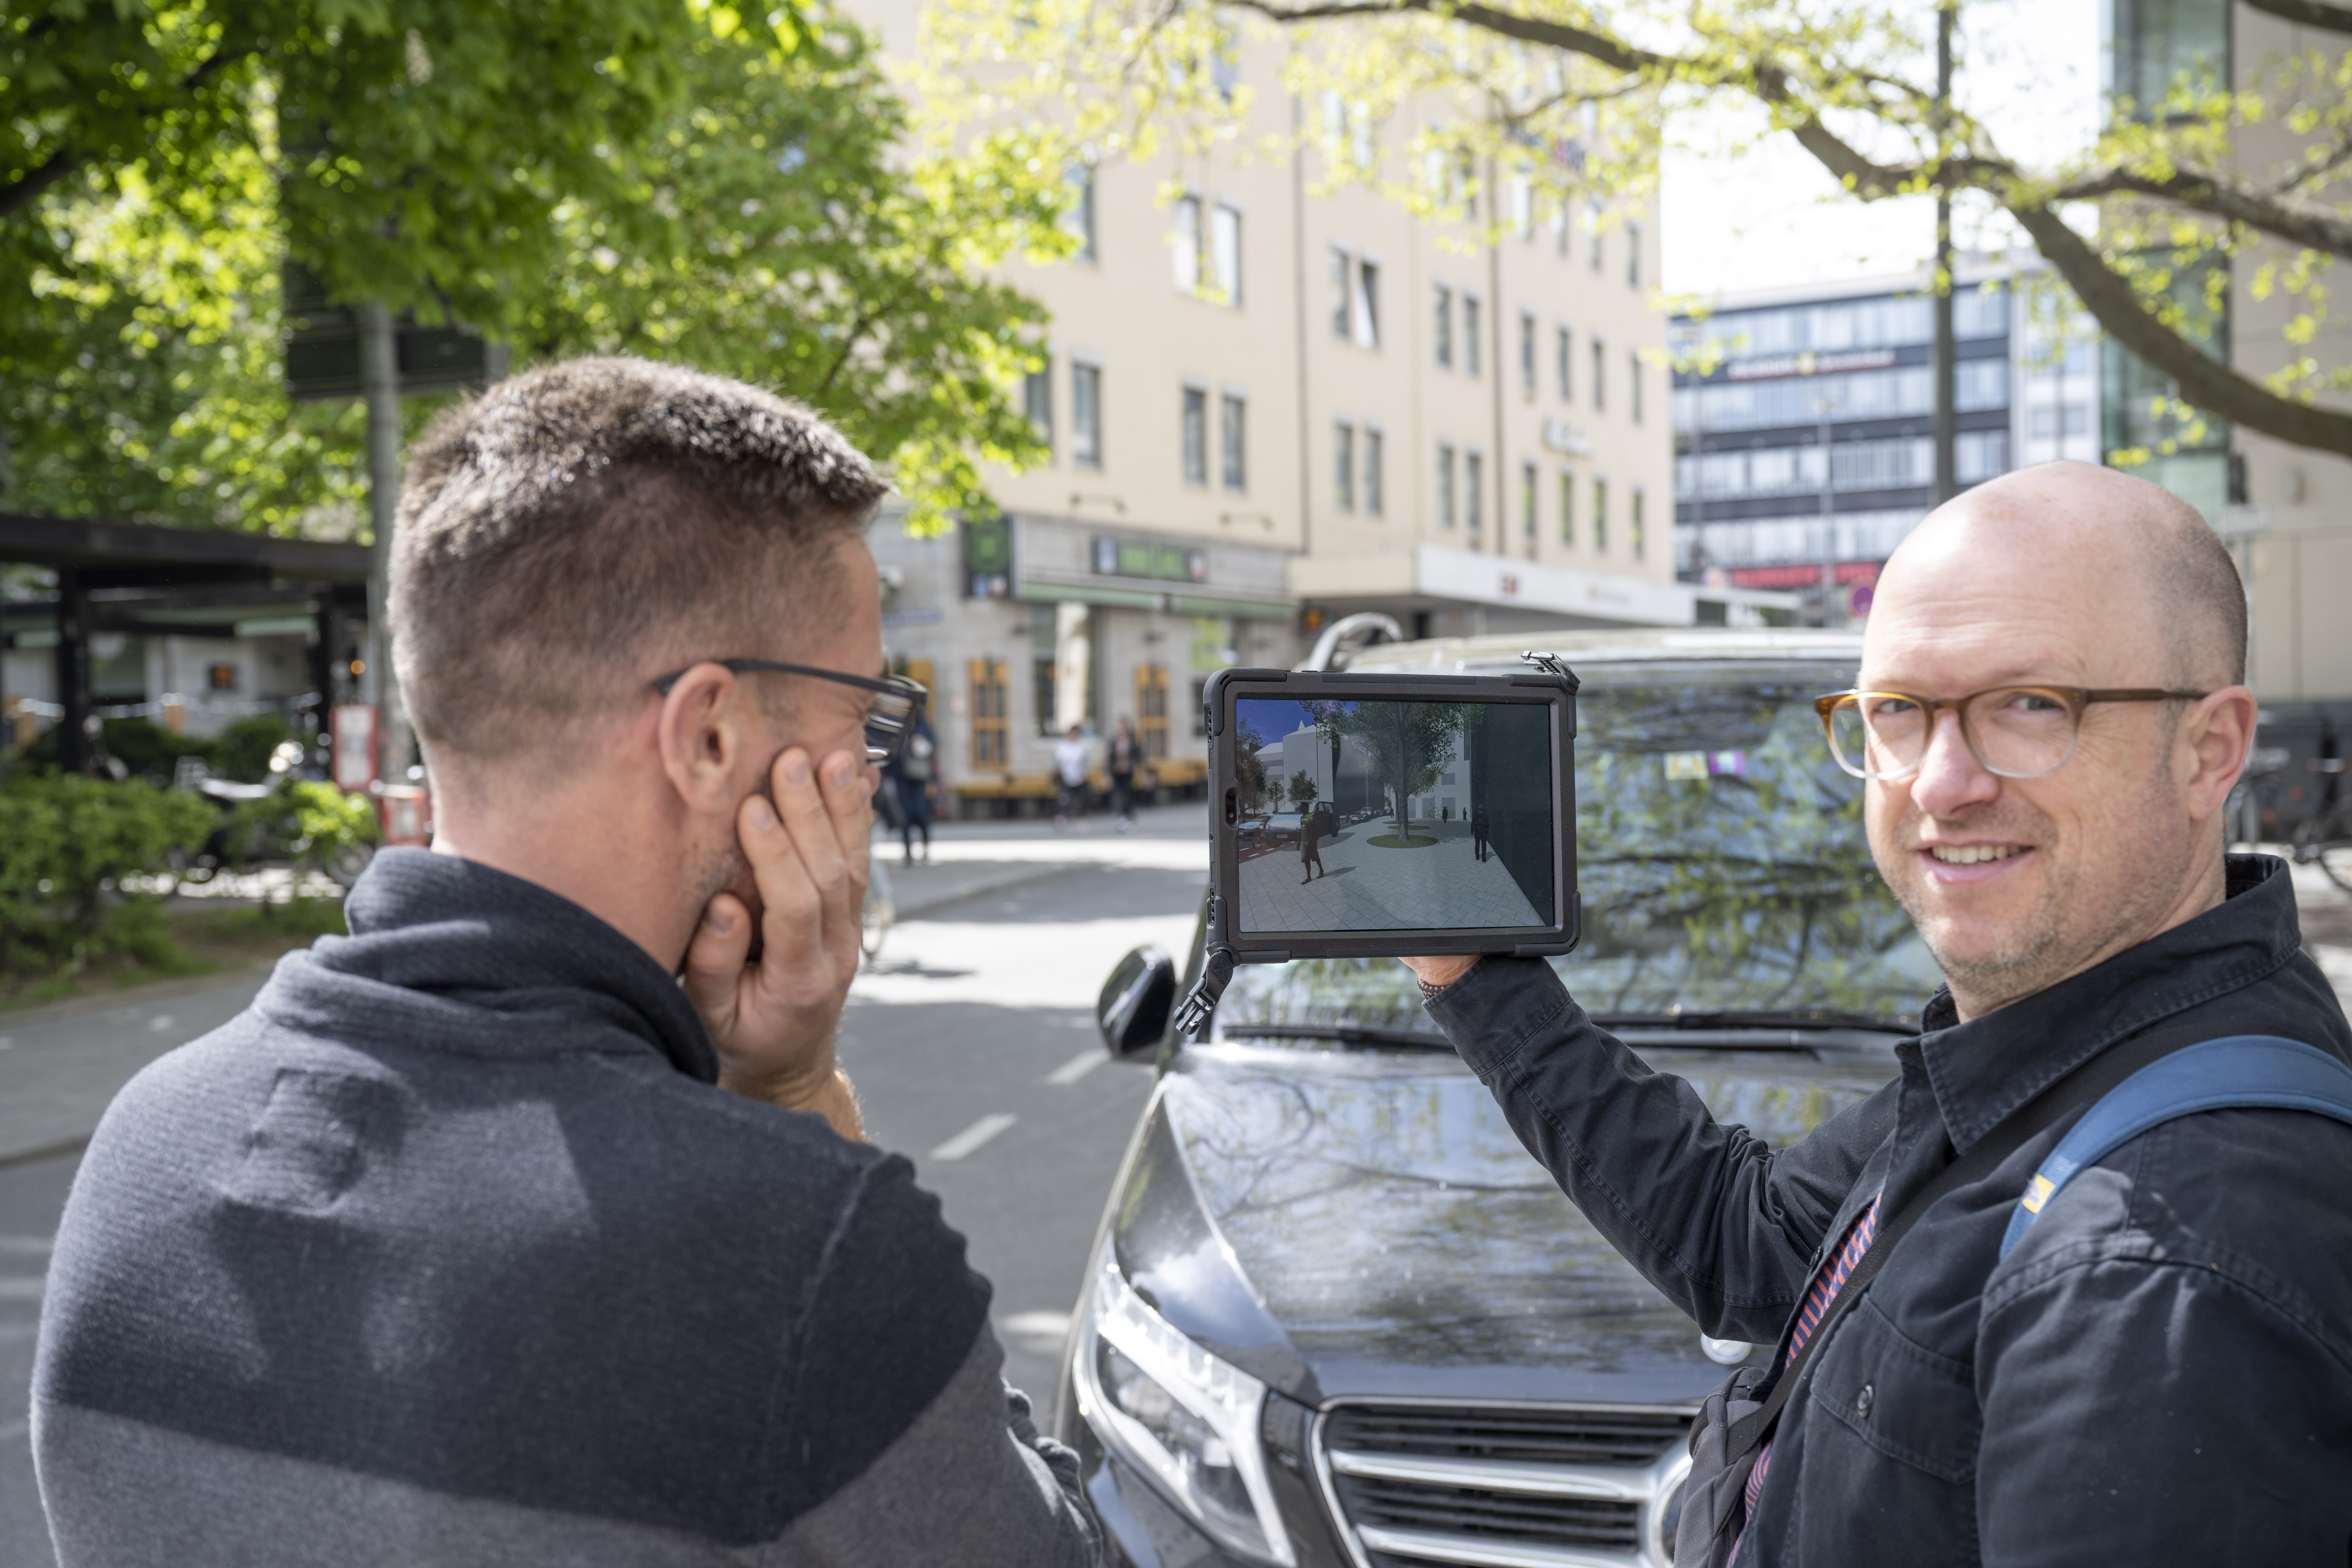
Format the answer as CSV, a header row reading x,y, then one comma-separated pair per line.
x,y
1478,833
2050,716
1312,829
1070,779
1120,760
910,779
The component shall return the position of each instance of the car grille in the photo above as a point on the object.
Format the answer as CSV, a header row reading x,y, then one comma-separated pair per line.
x,y
1513,1486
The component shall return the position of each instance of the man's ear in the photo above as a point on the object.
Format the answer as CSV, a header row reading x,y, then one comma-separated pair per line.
x,y
2216,733
703,732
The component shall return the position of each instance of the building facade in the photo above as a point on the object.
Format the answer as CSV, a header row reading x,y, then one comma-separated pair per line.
x,y
1803,423
1271,402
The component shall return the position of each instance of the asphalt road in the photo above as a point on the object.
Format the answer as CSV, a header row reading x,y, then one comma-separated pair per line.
x,y
973,1048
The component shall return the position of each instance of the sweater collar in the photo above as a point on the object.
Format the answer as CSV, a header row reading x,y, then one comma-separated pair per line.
x,y
1985,1069
452,951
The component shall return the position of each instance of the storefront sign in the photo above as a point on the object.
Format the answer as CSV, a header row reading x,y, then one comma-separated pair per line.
x,y
987,557
1776,367
1153,563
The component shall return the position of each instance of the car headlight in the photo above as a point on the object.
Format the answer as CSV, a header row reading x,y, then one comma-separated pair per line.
x,y
1185,1419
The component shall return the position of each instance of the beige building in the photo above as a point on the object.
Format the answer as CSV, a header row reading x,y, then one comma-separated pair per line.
x,y
1269,408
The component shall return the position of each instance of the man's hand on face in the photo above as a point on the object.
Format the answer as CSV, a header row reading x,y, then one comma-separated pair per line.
x,y
774,1021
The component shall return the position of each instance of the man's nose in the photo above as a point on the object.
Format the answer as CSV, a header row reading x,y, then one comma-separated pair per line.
x,y
1950,778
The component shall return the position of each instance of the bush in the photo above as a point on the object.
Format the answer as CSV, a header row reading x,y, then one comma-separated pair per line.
x,y
315,824
148,749
64,842
241,751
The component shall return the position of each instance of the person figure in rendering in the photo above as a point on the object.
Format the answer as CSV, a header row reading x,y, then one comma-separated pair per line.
x,y
1478,833
1070,778
533,1222
2161,1370
1313,828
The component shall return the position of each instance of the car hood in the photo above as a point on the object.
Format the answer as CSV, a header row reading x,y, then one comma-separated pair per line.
x,y
1365,1223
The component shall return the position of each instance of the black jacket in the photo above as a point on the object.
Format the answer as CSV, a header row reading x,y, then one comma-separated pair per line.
x,y
449,1250
2161,1373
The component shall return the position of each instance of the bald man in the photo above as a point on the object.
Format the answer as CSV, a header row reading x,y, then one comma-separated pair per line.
x,y
2161,1371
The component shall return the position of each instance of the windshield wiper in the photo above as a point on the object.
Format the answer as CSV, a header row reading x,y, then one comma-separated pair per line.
x,y
1345,1033
1755,1019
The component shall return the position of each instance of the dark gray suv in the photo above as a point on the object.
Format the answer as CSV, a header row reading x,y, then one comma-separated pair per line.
x,y
1337,1318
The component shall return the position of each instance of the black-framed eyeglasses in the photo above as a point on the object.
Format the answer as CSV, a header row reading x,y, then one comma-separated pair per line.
x,y
897,701
2017,731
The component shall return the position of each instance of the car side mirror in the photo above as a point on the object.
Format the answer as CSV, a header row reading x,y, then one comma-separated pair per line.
x,y
1133,1009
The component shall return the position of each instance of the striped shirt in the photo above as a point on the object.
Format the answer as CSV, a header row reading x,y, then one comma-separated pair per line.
x,y
1816,1305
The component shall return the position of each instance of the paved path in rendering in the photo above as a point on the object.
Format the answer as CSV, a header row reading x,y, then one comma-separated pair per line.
x,y
1369,888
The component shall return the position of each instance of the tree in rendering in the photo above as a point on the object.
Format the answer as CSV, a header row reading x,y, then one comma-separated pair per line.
x,y
1409,744
1303,789
1562,100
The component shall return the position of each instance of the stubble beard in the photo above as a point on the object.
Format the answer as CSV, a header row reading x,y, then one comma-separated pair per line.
x,y
2067,928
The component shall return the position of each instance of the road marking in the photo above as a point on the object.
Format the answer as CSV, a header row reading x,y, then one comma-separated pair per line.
x,y
1078,1066
973,1136
160,1022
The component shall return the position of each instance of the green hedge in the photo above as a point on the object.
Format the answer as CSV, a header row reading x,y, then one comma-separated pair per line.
x,y
65,842
241,750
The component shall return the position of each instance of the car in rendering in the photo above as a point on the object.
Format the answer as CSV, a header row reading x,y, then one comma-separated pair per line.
x,y
1336,1316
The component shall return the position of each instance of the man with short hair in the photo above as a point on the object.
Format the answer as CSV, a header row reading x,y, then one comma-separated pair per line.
x,y
479,1237
2161,1370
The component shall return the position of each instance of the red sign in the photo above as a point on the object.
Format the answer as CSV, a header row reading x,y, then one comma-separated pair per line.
x,y
407,815
1806,576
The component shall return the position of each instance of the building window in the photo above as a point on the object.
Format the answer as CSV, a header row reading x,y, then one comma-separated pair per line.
x,y
1528,505
1445,484
1373,487
1633,386
1196,436
1568,507
1633,524
1078,217
1523,206
2078,419
1341,264
1234,427
1560,228
1599,375
1037,402
991,713
1444,337
1474,491
1085,416
1563,346
1225,254
1592,229
1045,633
1343,466
1528,354
1368,305
1470,334
1601,515
1151,710
1184,245
1633,256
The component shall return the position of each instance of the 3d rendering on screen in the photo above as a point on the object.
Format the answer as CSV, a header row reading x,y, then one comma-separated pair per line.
x,y
1373,816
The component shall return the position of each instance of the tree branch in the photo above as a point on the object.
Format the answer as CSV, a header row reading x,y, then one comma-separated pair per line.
x,y
2224,199
2204,381
2308,14
28,187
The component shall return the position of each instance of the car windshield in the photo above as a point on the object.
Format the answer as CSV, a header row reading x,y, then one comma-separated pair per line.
x,y
1721,860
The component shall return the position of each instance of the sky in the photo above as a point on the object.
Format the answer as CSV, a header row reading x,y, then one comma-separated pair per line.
x,y
1769,216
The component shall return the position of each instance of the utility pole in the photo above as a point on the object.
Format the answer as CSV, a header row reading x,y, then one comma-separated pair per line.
x,y
1947,464
379,387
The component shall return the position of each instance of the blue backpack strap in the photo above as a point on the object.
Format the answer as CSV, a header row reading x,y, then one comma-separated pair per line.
x,y
2242,1070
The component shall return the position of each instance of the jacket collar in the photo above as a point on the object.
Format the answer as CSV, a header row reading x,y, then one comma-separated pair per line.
x,y
1985,1069
452,953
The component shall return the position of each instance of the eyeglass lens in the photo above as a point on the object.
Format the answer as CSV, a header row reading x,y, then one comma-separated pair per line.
x,y
886,723
2019,732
